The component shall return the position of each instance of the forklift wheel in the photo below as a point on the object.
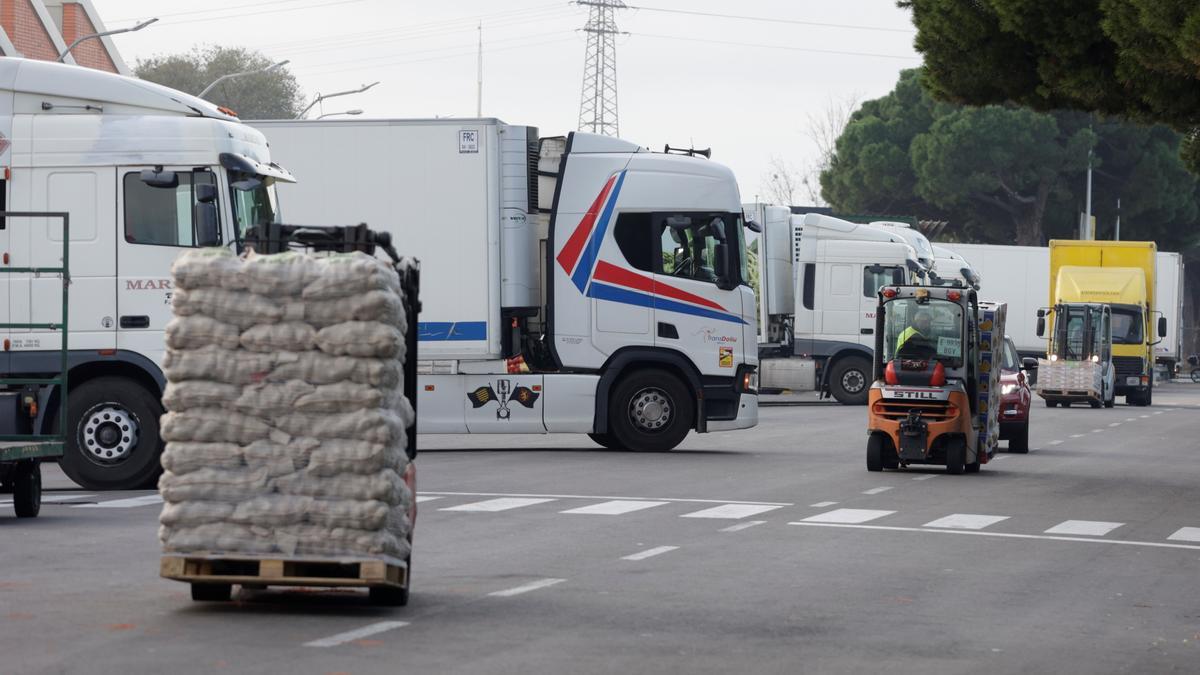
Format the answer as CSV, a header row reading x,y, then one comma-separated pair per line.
x,y
956,456
27,489
1051,404
973,468
875,452
1094,403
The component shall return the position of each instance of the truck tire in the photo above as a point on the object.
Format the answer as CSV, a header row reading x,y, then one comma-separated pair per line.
x,y
1019,443
850,380
112,435
956,456
605,440
650,410
875,448
27,489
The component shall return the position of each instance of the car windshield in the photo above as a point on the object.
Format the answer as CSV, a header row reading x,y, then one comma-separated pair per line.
x,y
254,201
923,330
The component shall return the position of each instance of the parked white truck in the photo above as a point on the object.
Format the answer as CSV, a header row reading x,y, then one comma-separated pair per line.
x,y
144,172
836,273
579,284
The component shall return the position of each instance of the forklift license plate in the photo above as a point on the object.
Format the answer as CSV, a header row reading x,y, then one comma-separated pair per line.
x,y
1133,381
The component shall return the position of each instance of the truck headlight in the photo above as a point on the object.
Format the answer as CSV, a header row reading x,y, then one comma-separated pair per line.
x,y
1007,389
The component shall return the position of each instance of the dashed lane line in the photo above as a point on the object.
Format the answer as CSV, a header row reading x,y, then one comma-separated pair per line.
x,y
878,490
1115,424
926,476
742,526
1055,443
1130,419
1007,535
615,507
443,493
1076,435
357,634
731,511
650,553
525,588
1097,431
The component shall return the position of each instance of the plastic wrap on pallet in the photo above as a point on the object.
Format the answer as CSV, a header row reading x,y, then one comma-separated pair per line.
x,y
992,321
286,422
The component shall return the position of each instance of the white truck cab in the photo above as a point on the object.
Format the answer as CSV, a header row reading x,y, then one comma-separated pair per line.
x,y
144,172
950,268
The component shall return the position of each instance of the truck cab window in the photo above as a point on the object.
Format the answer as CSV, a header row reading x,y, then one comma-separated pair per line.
x,y
691,244
635,238
163,216
876,276
254,201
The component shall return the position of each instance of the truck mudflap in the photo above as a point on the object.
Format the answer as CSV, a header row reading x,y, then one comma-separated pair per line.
x,y
914,437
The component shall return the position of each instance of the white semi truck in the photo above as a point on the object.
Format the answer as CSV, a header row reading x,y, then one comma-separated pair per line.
x,y
835,274
144,172
579,284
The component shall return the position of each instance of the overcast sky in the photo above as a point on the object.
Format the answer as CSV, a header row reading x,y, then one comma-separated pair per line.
x,y
744,87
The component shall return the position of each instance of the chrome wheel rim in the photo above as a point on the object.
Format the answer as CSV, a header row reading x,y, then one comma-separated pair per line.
x,y
108,433
650,409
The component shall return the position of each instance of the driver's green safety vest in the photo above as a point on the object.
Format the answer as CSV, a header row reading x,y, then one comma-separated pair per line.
x,y
907,334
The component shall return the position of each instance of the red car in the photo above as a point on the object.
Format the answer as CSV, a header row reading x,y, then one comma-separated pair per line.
x,y
1015,399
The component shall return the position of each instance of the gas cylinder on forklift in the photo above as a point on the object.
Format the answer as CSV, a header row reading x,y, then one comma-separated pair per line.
x,y
935,398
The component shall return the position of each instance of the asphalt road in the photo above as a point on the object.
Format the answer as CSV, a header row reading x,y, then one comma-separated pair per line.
x,y
768,551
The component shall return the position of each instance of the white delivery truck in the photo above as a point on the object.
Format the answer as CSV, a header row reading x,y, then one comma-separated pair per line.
x,y
1020,275
838,269
144,172
579,284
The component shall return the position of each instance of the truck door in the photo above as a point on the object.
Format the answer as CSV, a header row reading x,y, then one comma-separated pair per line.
x,y
160,217
86,194
841,296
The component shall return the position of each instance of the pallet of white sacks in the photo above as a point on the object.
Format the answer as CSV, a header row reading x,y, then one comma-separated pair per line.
x,y
212,576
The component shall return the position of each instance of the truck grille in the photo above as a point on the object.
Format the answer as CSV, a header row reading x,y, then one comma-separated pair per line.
x,y
1127,366
931,411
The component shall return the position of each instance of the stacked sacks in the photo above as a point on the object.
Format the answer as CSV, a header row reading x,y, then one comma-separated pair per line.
x,y
286,420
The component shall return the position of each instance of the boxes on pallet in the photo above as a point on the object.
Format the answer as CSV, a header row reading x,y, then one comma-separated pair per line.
x,y
286,422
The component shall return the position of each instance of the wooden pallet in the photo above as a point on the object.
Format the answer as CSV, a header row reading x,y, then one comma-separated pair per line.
x,y
281,571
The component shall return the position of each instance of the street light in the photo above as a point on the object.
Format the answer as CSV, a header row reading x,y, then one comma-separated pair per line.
x,y
356,111
138,27
322,97
230,76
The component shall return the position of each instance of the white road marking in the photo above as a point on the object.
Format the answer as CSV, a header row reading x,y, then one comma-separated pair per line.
x,y
131,502
1090,528
1055,443
51,499
531,586
1145,417
1169,410
999,457
731,511
875,491
965,521
1130,419
846,516
927,476
358,634
615,507
599,497
1115,424
650,553
1186,534
1097,431
742,526
1009,535
1076,435
421,499
493,505
1158,412
821,505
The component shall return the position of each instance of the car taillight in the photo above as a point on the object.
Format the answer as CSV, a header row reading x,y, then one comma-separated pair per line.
x,y
889,373
939,375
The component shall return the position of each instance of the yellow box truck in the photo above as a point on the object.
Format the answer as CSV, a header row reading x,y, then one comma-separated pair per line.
x,y
1127,287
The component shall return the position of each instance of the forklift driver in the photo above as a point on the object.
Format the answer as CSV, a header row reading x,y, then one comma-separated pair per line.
x,y
916,336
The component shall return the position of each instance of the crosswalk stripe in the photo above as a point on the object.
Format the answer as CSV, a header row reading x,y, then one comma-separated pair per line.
x,y
731,511
501,504
1090,528
848,516
131,502
821,505
615,507
965,521
421,499
1186,534
878,490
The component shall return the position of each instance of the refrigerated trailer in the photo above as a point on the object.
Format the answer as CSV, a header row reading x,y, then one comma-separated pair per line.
x,y
144,172
577,284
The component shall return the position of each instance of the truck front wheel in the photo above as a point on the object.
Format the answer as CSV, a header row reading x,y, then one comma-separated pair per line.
x,y
850,380
650,410
112,435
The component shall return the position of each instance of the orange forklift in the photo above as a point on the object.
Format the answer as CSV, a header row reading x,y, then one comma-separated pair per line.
x,y
936,395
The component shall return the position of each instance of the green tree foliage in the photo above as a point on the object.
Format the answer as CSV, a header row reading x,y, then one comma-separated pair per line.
x,y
1004,174
1137,59
271,95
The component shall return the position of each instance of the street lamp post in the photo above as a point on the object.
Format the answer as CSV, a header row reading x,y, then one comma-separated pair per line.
x,y
230,76
322,97
138,27
356,111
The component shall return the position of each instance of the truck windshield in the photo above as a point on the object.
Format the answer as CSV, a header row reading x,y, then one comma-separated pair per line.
x,y
254,202
1126,326
929,330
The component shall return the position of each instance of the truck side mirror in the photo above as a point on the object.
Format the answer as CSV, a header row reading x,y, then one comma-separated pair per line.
x,y
1162,326
721,267
1029,363
208,227
1041,324
206,193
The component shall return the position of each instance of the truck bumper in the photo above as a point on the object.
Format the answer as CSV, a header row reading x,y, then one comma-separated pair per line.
x,y
747,415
